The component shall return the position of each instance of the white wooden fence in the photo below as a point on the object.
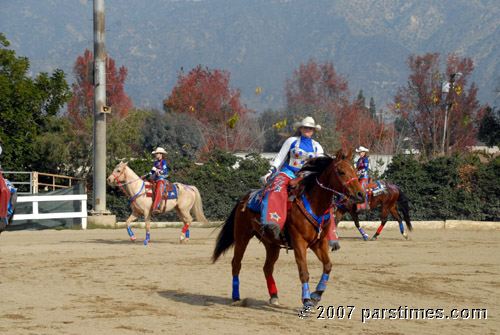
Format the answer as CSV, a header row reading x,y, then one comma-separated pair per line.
x,y
36,215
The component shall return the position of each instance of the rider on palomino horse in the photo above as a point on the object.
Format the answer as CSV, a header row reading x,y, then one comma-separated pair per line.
x,y
292,156
159,175
363,165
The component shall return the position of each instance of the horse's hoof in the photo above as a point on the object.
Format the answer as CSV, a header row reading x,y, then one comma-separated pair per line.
x,y
405,235
315,297
366,237
335,245
274,301
145,242
237,302
308,303
133,238
183,239
374,238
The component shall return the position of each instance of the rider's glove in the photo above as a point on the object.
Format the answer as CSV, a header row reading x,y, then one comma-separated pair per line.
x,y
265,178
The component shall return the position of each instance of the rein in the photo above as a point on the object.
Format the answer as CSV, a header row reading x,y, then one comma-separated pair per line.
x,y
131,198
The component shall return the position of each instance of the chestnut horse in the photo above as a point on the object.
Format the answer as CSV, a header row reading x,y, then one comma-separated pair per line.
x,y
391,196
188,198
326,180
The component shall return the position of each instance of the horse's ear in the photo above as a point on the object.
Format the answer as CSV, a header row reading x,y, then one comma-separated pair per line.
x,y
339,155
349,154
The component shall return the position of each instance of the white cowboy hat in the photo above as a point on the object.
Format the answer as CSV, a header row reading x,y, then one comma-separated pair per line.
x,y
159,150
361,149
307,122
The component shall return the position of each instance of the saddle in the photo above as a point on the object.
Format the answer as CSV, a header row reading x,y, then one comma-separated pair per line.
x,y
151,191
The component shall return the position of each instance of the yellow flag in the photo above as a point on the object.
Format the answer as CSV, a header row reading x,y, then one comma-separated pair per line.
x,y
232,121
280,125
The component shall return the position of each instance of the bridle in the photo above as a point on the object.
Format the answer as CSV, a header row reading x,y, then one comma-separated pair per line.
x,y
117,180
337,199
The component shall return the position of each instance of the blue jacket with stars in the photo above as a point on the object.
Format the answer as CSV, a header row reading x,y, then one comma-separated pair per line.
x,y
297,149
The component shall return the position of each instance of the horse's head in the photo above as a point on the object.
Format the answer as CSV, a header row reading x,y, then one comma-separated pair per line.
x,y
118,175
334,174
348,176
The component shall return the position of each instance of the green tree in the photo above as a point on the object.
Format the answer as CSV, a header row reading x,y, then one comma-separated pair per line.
x,y
177,133
26,107
489,128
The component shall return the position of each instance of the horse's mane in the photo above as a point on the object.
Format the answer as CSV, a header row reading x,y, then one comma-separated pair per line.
x,y
314,167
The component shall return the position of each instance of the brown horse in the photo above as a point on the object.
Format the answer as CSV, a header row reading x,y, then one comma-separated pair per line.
x,y
188,198
390,195
326,180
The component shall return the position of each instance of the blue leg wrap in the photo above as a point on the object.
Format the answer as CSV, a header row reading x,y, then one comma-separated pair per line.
x,y
236,287
148,236
187,233
305,292
130,233
322,283
401,227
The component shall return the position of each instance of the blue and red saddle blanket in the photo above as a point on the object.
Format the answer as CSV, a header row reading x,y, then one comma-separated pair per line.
x,y
255,199
171,190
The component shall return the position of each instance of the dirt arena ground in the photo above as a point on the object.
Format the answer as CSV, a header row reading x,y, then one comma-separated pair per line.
x,y
97,282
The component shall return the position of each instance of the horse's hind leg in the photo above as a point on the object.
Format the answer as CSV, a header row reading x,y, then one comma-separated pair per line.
x,y
272,254
396,215
187,219
321,250
241,239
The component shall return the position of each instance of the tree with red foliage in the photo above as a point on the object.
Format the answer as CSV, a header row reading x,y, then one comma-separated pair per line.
x,y
206,95
123,125
81,105
316,86
424,106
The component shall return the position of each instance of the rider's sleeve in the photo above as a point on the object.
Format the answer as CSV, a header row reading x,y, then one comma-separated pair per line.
x,y
319,149
281,156
164,167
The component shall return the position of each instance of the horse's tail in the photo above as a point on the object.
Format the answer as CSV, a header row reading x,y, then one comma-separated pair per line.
x,y
403,204
198,207
226,236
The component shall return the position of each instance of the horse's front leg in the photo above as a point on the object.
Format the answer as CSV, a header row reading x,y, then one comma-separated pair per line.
x,y
131,218
272,254
299,249
147,223
382,224
320,248
355,217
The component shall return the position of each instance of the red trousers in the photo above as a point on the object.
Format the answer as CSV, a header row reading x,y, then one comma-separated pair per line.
x,y
364,183
4,197
274,207
160,188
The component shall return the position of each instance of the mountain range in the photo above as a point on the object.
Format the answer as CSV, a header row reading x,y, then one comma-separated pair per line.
x,y
260,42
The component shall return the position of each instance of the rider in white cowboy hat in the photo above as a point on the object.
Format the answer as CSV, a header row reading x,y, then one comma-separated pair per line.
x,y
159,175
292,156
363,165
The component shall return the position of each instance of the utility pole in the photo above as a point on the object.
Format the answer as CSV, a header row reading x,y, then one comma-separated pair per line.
x,y
100,110
450,101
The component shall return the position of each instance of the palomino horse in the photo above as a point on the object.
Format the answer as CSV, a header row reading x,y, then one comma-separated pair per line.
x,y
307,224
188,198
389,196
8,199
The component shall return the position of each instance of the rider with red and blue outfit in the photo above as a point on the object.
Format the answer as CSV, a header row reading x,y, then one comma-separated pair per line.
x,y
159,175
363,166
292,156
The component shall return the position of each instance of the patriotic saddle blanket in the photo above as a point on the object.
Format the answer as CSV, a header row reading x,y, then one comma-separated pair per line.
x,y
170,192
